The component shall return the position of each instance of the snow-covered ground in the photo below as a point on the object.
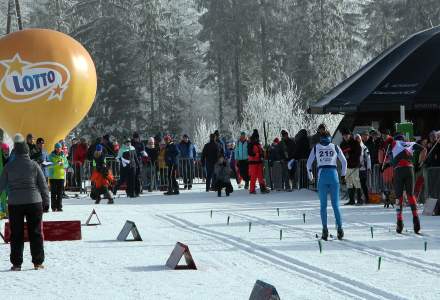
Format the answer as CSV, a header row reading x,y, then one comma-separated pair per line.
x,y
230,258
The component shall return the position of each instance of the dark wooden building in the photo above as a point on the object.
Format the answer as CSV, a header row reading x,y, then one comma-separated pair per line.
x,y
406,74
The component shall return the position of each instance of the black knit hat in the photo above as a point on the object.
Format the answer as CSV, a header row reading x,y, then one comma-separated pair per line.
x,y
345,131
255,135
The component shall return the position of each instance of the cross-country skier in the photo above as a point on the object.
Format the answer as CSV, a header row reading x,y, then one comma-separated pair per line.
x,y
326,155
402,156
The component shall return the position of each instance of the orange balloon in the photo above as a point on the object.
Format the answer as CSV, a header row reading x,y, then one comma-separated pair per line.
x,y
47,83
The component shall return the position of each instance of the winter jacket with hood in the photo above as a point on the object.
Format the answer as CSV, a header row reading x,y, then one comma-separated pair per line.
x,y
57,170
255,150
352,151
172,154
210,153
302,147
24,179
287,149
153,154
241,150
187,150
127,156
79,153
222,172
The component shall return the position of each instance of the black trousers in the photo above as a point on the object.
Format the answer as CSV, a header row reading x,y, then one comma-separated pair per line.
x,y
138,181
209,175
187,169
243,167
404,181
34,216
128,175
226,185
56,193
363,176
77,176
173,185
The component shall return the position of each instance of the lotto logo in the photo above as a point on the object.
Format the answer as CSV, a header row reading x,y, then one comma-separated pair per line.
x,y
25,81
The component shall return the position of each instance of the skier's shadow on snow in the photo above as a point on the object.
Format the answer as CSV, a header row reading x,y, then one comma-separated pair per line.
x,y
156,268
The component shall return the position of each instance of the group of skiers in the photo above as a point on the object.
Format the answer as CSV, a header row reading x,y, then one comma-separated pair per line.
x,y
396,153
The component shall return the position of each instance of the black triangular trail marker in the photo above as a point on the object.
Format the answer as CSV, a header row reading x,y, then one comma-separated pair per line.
x,y
90,218
129,227
264,291
179,251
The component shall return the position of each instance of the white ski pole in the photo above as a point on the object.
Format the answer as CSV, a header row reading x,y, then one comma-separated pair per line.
x,y
386,156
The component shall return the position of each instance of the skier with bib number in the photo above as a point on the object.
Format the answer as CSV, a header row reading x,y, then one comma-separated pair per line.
x,y
402,161
326,155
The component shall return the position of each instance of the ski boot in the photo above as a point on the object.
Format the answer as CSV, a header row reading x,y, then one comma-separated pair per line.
x,y
399,227
324,235
416,223
264,190
114,190
38,267
219,193
16,268
110,201
340,233
388,201
351,194
98,200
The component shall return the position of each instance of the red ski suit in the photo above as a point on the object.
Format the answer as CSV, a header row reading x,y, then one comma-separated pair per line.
x,y
255,159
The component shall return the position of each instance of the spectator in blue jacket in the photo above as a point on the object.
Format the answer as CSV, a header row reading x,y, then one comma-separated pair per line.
x,y
171,158
187,156
241,156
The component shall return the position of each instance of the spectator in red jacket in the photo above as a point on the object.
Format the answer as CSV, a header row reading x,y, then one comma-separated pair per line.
x,y
255,159
79,154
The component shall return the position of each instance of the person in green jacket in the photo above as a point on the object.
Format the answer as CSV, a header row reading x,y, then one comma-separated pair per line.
x,y
57,172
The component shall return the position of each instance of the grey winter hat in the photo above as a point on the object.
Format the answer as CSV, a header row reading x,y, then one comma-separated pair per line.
x,y
18,138
20,147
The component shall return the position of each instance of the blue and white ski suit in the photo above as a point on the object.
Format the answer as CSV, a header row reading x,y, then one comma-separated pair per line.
x,y
326,155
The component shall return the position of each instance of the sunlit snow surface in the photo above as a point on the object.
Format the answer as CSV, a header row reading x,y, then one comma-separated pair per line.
x,y
230,258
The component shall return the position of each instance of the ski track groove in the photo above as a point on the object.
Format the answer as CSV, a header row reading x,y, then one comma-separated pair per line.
x,y
423,236
390,255
335,281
